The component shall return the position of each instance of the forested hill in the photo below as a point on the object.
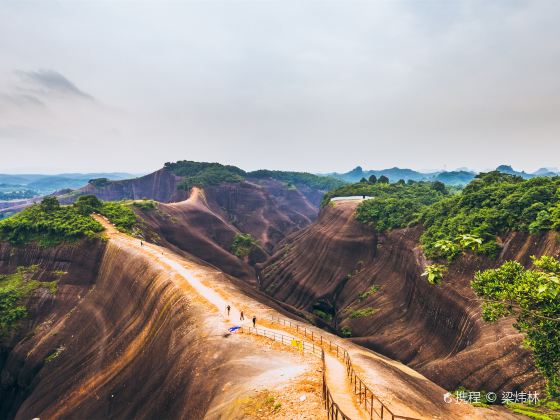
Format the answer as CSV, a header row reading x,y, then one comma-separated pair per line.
x,y
202,174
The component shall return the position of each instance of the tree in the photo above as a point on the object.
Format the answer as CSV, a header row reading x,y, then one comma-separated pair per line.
x,y
439,186
401,182
363,181
383,179
533,296
372,179
49,204
87,204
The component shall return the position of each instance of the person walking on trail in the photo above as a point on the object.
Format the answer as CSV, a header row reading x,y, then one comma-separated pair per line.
x,y
141,243
228,309
254,321
241,317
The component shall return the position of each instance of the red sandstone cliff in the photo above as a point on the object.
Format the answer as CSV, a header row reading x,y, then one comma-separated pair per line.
x,y
436,330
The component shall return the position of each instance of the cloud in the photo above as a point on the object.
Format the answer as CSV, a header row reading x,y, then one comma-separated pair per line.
x,y
50,81
21,100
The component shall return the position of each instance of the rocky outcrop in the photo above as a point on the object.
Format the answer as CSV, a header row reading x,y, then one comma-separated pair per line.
x,y
372,286
267,209
160,186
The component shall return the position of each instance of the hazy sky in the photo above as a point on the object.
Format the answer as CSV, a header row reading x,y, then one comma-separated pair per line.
x,y
282,84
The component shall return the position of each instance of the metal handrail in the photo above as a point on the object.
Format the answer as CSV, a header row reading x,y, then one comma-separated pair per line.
x,y
333,410
366,396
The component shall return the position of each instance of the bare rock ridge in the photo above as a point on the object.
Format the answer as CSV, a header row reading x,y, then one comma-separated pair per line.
x,y
123,337
371,285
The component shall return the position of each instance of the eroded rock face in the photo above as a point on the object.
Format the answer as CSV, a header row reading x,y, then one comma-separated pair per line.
x,y
267,209
160,186
331,265
128,342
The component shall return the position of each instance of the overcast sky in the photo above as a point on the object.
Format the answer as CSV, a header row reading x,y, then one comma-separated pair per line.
x,y
282,84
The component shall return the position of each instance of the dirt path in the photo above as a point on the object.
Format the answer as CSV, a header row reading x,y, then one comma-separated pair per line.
x,y
337,380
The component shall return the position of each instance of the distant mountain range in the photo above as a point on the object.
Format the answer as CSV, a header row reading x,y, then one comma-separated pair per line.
x,y
461,176
22,186
39,184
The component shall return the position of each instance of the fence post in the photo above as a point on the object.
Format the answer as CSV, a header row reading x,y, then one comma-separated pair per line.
x,y
371,408
360,392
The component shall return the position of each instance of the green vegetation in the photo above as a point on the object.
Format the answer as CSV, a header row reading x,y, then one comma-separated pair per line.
x,y
58,351
324,183
533,296
492,204
48,224
14,289
145,205
434,273
202,174
393,205
543,410
119,214
362,313
323,315
242,245
369,292
99,182
346,331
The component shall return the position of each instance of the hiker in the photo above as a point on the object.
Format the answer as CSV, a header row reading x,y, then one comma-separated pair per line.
x,y
254,321
241,317
228,309
141,243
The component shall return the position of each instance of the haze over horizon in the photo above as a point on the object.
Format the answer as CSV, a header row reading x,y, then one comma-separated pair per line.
x,y
308,86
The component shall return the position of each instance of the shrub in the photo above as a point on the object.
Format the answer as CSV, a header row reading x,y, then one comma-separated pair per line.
x,y
323,315
346,332
533,296
145,205
99,182
242,245
434,273
369,292
14,289
362,313
120,215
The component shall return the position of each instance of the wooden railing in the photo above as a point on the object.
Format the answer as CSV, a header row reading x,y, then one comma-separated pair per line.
x,y
371,403
333,410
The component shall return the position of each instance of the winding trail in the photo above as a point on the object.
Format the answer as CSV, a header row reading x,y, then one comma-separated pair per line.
x,y
335,371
